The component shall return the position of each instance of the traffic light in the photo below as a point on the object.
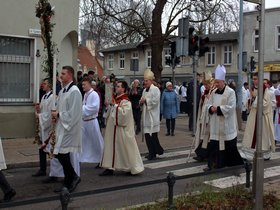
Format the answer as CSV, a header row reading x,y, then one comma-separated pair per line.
x,y
193,45
173,50
202,46
168,61
177,60
252,64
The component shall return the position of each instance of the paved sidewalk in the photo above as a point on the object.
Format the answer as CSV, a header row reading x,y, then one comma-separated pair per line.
x,y
23,153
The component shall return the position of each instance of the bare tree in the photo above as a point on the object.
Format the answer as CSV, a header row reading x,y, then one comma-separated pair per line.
x,y
116,21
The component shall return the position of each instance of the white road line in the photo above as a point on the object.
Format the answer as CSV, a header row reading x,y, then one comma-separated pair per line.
x,y
168,163
235,180
190,170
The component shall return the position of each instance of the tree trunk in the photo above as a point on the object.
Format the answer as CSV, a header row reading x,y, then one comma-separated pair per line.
x,y
157,39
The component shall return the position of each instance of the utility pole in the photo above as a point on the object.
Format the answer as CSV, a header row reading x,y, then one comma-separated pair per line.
x,y
258,173
240,58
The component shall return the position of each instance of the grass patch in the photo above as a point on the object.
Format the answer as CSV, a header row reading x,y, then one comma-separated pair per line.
x,y
236,197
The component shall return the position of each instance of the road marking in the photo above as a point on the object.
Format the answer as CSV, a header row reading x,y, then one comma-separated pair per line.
x,y
168,163
187,171
237,180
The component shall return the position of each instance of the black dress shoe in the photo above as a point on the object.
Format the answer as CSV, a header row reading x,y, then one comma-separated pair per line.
x,y
151,157
168,134
98,166
9,195
198,158
51,179
107,172
172,134
39,173
59,189
207,169
74,184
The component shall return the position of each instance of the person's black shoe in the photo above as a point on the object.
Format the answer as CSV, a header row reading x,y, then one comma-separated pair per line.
x,y
107,172
74,184
39,173
266,159
207,169
59,189
50,179
198,158
172,134
168,134
98,166
151,157
160,152
9,195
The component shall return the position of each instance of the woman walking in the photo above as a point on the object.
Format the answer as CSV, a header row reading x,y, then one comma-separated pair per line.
x,y
169,107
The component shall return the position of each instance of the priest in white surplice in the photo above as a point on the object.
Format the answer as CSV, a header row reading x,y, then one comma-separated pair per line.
x,y
45,122
222,148
92,140
120,150
68,118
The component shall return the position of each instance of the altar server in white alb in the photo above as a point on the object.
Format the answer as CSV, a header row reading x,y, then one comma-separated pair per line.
x,y
92,140
222,148
68,119
43,112
121,151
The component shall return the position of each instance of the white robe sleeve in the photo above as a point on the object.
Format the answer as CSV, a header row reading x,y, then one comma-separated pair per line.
x,y
154,98
45,117
229,108
121,113
70,117
91,108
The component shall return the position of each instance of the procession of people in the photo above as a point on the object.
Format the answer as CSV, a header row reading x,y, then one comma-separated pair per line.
x,y
72,132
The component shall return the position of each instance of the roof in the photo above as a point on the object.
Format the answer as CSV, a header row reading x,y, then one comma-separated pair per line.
x,y
228,36
121,47
91,62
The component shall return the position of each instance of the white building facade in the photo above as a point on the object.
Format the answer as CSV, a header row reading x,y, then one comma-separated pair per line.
x,y
19,41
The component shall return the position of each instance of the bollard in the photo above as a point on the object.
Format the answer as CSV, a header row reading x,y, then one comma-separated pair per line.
x,y
64,198
170,181
248,168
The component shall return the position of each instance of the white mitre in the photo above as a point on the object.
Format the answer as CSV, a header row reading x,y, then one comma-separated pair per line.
x,y
220,73
148,74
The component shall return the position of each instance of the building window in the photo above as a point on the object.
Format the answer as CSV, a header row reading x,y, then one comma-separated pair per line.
x,y
256,40
134,62
149,58
211,56
16,68
227,54
121,60
110,61
167,56
278,37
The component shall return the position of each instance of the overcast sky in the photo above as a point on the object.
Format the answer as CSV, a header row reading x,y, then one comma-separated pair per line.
x,y
270,3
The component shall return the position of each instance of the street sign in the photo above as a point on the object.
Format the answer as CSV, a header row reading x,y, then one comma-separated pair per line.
x,y
254,1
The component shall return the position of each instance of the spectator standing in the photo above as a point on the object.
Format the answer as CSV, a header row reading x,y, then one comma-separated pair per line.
x,y
169,108
135,95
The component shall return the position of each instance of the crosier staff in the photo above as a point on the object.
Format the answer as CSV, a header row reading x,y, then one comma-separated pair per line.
x,y
37,78
53,106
